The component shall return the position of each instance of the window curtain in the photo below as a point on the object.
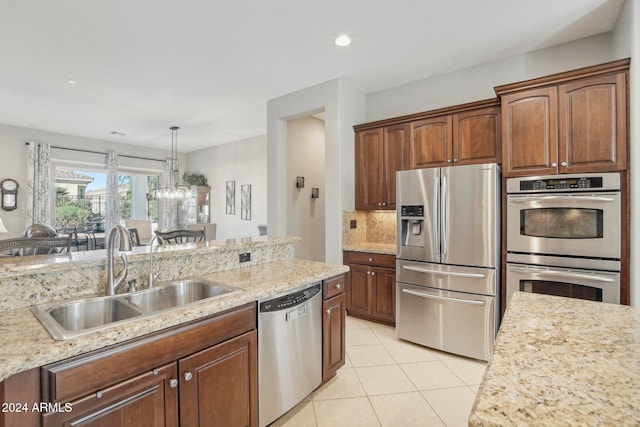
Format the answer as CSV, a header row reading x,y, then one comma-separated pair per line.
x,y
168,207
112,215
38,205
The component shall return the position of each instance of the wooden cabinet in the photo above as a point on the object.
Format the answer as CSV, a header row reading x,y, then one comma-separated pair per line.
x,y
379,154
566,123
464,138
218,386
149,399
371,286
333,326
199,373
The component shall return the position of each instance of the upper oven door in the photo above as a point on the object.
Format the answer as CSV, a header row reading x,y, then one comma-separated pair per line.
x,y
579,224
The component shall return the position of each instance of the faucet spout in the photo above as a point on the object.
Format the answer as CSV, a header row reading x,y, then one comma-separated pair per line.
x,y
124,244
161,241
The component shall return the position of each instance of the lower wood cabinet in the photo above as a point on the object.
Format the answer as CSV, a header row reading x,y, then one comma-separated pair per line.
x,y
203,373
333,326
371,286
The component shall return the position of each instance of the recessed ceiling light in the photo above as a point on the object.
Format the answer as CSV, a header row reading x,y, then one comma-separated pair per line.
x,y
71,81
342,40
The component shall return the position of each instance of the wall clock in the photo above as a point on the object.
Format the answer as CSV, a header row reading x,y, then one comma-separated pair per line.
x,y
9,190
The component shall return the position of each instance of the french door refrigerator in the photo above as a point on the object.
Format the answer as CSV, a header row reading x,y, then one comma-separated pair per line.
x,y
448,258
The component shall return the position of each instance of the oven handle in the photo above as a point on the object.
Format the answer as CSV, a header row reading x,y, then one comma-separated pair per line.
x,y
562,274
445,273
439,298
527,199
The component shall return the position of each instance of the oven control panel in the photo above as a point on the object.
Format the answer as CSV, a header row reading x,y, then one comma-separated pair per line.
x,y
568,182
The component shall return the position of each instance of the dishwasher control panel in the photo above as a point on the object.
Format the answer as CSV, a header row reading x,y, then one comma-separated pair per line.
x,y
290,300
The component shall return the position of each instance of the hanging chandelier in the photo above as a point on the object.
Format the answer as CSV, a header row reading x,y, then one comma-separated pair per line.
x,y
174,190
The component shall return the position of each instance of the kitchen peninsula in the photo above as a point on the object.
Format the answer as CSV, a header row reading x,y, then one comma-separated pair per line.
x,y
562,361
108,361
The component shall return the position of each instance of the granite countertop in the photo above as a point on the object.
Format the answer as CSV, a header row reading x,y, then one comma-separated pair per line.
x,y
26,344
561,361
374,248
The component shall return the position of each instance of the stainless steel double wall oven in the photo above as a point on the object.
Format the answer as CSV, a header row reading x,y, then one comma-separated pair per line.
x,y
563,236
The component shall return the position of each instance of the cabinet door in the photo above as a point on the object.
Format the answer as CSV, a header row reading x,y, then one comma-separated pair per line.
x,y
146,400
593,130
333,335
395,158
358,293
383,297
369,169
476,136
431,142
529,132
219,385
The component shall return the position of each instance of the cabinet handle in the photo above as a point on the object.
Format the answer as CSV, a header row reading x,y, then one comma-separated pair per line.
x,y
328,311
455,160
173,383
563,163
338,286
554,165
188,376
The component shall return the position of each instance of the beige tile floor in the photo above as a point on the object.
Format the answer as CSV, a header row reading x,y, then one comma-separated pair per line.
x,y
388,382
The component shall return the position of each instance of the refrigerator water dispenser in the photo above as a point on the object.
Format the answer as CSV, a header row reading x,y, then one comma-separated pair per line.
x,y
412,225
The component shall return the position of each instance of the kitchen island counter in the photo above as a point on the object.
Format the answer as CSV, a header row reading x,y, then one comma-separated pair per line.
x,y
26,344
562,361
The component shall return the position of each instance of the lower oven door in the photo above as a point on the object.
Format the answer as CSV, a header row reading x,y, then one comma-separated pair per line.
x,y
456,322
567,282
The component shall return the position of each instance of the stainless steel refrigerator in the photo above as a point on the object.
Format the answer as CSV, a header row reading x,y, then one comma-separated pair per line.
x,y
448,250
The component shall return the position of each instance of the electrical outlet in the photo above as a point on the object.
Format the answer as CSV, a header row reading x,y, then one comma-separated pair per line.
x,y
245,257
353,223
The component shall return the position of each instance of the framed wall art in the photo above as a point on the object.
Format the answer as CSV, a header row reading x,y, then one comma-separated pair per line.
x,y
231,198
245,202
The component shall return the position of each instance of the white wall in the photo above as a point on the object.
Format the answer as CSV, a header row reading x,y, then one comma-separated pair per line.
x,y
305,157
244,162
14,157
344,106
477,83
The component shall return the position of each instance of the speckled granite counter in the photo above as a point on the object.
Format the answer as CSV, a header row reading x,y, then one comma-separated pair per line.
x,y
374,248
560,361
26,344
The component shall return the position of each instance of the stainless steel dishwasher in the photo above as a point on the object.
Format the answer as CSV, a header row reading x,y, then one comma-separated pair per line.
x,y
289,350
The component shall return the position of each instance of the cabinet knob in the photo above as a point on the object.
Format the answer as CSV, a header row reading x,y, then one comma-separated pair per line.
x,y
554,165
188,376
448,160
455,160
373,273
379,204
173,383
370,259
328,311
99,395
338,286
563,163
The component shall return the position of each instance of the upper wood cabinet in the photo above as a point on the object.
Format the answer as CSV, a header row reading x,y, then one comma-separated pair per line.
x,y
465,138
566,123
380,153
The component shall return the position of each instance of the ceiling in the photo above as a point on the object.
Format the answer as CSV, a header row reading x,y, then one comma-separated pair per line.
x,y
210,66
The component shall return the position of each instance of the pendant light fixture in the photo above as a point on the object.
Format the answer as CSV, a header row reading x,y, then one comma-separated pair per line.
x,y
174,190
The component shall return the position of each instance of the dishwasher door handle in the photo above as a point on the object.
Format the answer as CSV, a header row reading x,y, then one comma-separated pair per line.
x,y
439,298
297,313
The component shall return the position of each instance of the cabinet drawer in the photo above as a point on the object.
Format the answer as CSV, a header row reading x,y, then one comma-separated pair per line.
x,y
83,374
332,287
370,259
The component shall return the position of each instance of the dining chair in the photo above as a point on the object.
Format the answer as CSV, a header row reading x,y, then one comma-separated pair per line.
x,y
209,230
181,236
135,237
31,245
144,229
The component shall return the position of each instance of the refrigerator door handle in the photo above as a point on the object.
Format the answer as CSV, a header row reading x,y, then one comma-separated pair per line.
x,y
444,273
439,298
443,216
434,216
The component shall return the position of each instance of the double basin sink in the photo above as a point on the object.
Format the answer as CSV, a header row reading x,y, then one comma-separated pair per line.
x,y
68,319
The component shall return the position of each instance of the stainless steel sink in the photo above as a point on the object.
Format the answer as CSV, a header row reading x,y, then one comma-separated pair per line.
x,y
69,319
178,293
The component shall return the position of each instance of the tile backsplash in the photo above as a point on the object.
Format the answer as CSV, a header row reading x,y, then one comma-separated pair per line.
x,y
371,227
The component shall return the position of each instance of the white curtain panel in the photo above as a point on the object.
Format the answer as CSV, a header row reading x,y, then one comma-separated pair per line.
x,y
168,215
38,206
112,216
